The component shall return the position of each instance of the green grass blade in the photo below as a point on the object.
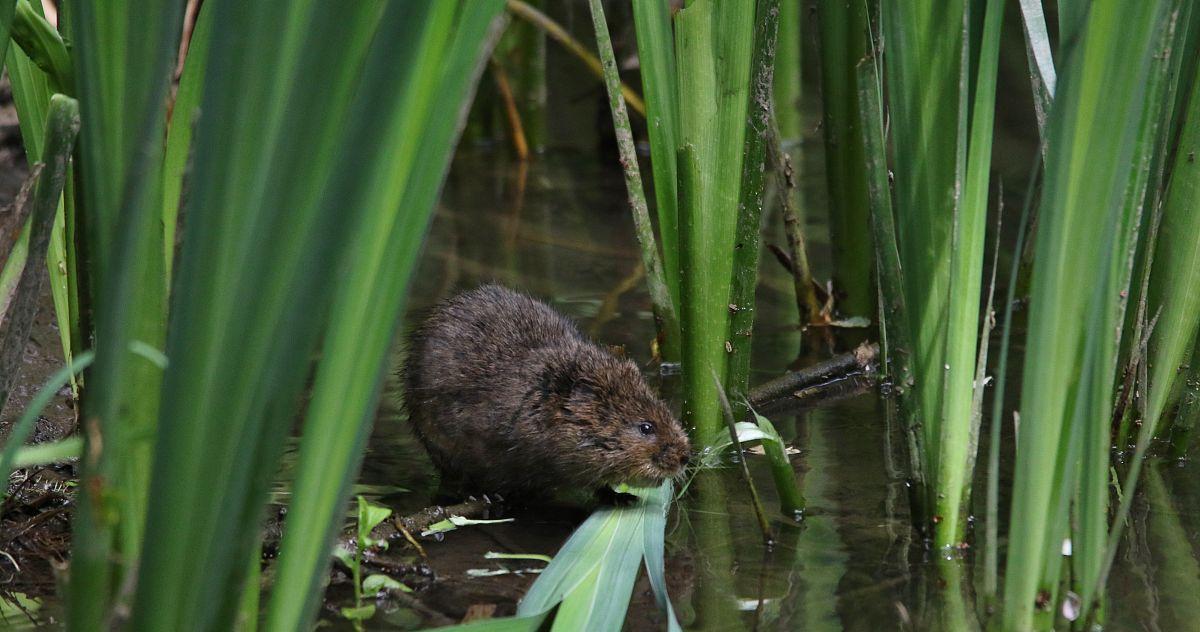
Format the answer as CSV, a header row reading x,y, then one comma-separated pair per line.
x,y
791,501
42,43
1041,62
123,55
31,95
406,154
1175,278
991,551
894,326
600,601
1183,426
252,288
923,67
575,561
652,23
1175,289
7,12
51,452
594,571
654,530
43,202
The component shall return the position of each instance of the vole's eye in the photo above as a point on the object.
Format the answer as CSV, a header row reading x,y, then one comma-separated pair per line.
x,y
645,427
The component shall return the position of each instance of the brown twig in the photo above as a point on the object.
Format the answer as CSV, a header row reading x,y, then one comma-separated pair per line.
x,y
515,127
806,298
861,361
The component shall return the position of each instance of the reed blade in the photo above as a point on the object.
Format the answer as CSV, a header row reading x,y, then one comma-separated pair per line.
x,y
926,99
713,43
252,290
959,424
122,53
31,96
660,292
656,54
1092,136
401,144
748,238
184,112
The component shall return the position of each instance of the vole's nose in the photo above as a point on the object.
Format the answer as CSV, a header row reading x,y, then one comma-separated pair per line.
x,y
683,460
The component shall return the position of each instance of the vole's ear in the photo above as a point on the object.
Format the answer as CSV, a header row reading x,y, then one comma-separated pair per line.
x,y
559,380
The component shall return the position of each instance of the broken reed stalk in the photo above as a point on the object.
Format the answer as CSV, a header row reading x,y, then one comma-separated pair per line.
x,y
749,223
528,13
808,306
664,309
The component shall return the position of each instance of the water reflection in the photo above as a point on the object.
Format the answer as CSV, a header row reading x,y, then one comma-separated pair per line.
x,y
560,228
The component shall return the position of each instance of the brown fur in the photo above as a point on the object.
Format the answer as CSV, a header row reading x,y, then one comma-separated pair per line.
x,y
507,395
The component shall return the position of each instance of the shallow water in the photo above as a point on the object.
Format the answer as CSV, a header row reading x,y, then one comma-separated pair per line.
x,y
853,563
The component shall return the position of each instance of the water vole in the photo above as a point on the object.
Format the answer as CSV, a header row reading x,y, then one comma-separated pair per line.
x,y
507,395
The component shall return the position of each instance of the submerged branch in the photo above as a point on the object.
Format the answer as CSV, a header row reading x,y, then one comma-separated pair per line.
x,y
800,384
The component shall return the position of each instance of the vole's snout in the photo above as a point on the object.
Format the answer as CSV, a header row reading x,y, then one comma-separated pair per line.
x,y
673,460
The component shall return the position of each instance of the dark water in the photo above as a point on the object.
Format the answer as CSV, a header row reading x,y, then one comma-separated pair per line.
x,y
559,228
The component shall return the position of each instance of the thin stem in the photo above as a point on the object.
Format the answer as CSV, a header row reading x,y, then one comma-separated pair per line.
x,y
515,127
664,309
991,551
727,412
807,303
893,311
